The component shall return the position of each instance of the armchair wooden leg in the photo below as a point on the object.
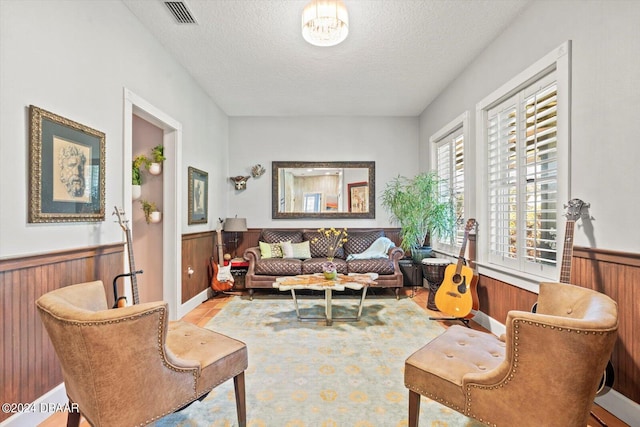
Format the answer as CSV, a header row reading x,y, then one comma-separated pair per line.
x,y
414,408
241,406
73,418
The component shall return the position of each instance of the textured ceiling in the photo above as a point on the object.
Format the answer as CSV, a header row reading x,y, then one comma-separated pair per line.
x,y
250,57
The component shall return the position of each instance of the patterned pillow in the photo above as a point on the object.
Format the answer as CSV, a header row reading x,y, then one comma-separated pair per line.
x,y
301,250
270,250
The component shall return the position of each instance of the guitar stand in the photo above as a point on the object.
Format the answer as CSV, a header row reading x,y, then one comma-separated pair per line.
x,y
462,319
115,286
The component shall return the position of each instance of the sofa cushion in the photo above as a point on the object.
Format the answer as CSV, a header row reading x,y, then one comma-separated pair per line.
x,y
277,236
377,265
358,241
314,265
270,250
279,267
319,245
296,250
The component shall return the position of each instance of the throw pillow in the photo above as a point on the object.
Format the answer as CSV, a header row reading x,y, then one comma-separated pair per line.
x,y
287,249
270,250
301,250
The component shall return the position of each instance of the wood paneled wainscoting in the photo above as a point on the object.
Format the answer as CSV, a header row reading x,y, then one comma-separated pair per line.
x,y
612,273
29,367
197,249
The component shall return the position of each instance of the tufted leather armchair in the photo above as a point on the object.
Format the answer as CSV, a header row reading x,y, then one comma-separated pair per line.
x,y
131,366
544,371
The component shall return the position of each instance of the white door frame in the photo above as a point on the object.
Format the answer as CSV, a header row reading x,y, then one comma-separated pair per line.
x,y
172,194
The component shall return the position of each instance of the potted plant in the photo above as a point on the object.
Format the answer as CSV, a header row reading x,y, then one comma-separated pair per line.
x,y
151,212
157,157
136,177
421,211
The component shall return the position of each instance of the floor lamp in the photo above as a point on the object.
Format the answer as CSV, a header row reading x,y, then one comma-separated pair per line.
x,y
235,225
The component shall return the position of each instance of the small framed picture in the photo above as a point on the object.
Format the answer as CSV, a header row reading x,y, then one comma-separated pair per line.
x,y
358,197
67,169
198,196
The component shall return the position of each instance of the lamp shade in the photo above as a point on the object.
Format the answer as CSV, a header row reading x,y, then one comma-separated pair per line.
x,y
325,22
235,224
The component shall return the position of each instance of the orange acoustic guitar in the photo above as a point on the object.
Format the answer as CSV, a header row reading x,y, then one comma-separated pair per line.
x,y
457,295
221,277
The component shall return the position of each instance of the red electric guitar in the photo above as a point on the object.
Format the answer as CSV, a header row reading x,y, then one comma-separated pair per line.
x,y
221,277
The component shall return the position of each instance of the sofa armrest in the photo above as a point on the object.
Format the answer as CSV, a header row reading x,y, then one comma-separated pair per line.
x,y
253,256
395,254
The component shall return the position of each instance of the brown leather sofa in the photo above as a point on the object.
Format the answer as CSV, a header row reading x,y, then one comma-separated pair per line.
x,y
262,273
544,371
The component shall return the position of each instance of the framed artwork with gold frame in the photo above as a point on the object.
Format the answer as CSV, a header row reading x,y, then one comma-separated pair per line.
x,y
67,169
198,196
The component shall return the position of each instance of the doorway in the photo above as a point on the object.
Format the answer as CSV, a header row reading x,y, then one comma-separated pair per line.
x,y
165,273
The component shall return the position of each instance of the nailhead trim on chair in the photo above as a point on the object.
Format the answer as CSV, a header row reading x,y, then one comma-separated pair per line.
x,y
516,327
196,371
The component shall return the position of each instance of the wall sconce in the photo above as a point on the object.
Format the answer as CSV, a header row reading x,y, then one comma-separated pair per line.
x,y
235,225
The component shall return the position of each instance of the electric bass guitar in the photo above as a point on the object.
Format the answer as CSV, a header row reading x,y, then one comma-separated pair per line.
x,y
574,212
121,301
457,295
221,277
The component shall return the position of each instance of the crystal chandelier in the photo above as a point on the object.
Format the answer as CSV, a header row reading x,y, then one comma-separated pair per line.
x,y
325,22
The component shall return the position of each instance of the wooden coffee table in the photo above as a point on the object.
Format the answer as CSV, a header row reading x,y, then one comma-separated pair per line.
x,y
317,282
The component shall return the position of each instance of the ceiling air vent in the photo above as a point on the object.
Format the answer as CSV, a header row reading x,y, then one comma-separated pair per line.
x,y
180,12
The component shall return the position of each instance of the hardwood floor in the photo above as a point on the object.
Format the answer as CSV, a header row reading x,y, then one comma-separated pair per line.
x,y
207,310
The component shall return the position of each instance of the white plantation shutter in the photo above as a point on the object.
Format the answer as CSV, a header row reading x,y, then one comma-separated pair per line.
x,y
502,181
522,174
524,170
540,170
450,170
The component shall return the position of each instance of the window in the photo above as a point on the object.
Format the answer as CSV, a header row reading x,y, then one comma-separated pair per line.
x,y
525,147
448,153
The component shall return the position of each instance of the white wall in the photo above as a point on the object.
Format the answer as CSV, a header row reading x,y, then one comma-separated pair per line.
x,y
74,58
392,142
606,100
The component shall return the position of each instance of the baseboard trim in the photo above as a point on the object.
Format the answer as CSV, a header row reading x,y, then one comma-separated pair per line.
x,y
57,397
616,403
185,308
620,406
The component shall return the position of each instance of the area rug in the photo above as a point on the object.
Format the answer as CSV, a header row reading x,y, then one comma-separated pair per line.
x,y
307,374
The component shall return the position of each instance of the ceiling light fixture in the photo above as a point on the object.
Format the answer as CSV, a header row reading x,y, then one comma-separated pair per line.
x,y
325,22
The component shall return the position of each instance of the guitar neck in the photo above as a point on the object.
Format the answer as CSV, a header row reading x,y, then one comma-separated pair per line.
x,y
220,251
567,253
132,269
463,248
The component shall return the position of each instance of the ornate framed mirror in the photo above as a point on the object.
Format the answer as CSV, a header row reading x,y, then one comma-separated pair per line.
x,y
323,190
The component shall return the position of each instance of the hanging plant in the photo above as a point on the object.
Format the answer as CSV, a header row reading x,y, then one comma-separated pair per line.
x,y
157,153
148,208
137,164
